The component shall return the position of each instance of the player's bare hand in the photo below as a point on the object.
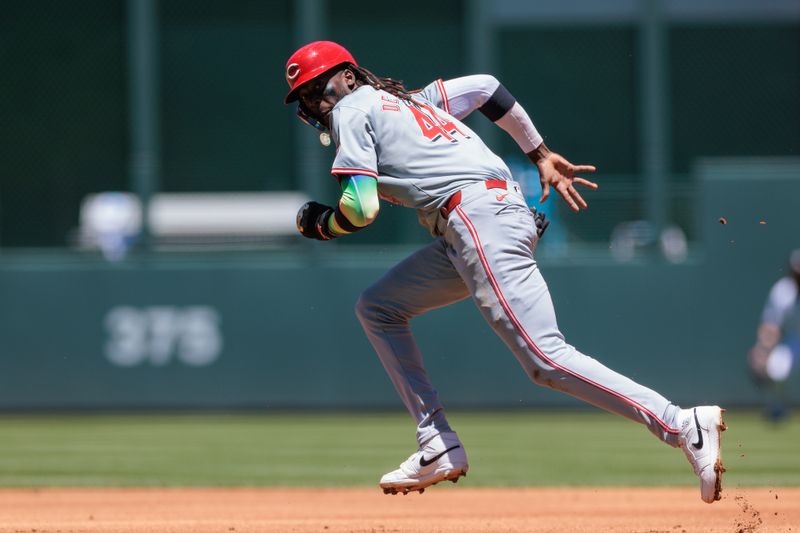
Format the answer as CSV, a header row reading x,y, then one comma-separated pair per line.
x,y
560,174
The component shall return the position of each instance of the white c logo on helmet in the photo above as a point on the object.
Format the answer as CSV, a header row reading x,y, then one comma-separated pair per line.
x,y
292,71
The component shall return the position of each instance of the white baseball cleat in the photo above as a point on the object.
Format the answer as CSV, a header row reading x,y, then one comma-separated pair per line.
x,y
700,437
440,459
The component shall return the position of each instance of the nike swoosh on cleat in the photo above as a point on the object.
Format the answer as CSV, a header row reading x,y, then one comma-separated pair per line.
x,y
426,462
699,444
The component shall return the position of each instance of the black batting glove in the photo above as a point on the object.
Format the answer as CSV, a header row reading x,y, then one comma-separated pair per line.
x,y
312,221
540,220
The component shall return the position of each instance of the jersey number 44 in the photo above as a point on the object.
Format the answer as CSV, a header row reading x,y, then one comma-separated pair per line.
x,y
432,125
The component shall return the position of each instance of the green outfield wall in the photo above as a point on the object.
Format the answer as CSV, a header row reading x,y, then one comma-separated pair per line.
x,y
277,330
186,96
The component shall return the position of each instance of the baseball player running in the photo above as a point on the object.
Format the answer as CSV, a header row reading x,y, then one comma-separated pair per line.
x,y
411,148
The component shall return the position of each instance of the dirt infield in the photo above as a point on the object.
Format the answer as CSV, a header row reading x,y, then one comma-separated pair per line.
x,y
441,509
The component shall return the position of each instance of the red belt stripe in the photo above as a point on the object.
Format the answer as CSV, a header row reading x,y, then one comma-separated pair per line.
x,y
455,200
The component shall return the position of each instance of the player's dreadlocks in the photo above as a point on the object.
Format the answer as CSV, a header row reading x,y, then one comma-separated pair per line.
x,y
393,87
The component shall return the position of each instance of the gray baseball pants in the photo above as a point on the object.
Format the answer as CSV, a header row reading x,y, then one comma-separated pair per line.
x,y
487,252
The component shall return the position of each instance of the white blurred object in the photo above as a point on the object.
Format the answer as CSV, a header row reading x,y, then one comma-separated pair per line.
x,y
674,245
628,238
779,363
231,213
111,221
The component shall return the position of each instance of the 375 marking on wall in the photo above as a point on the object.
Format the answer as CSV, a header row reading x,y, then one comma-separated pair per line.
x,y
159,335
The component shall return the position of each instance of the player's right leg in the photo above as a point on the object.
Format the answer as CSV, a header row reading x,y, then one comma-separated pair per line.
x,y
426,280
493,254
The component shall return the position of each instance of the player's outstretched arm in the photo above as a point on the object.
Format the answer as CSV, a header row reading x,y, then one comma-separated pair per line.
x,y
557,172
485,93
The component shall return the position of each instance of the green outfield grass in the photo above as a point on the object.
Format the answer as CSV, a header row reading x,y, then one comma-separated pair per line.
x,y
505,449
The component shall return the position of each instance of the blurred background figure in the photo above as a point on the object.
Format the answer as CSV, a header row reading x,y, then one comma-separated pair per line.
x,y
778,340
633,238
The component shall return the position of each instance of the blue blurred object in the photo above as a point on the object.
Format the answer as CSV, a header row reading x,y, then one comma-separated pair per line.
x,y
555,243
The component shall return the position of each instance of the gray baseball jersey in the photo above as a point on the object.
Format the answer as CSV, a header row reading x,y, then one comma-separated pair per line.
x,y
419,153
422,155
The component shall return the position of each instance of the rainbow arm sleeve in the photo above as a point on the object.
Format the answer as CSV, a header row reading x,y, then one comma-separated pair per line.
x,y
358,205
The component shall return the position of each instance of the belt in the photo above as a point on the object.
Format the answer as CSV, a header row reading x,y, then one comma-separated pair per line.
x,y
455,200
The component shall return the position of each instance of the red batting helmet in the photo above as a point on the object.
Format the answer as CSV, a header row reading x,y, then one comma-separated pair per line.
x,y
312,60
